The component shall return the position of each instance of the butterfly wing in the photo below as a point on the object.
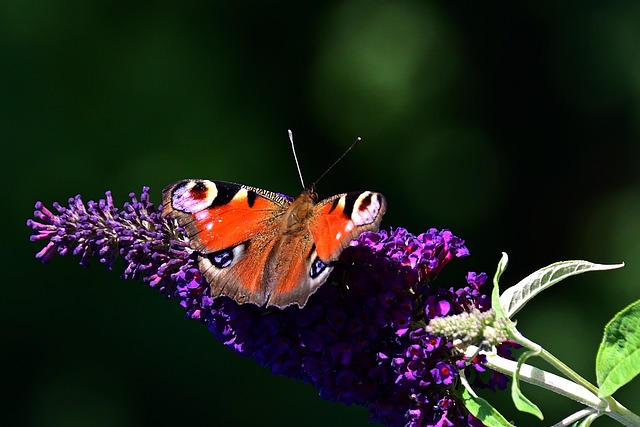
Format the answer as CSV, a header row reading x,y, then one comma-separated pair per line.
x,y
340,219
233,228
333,223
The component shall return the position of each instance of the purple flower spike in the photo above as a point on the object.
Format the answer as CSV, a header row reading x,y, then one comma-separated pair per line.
x,y
361,338
152,248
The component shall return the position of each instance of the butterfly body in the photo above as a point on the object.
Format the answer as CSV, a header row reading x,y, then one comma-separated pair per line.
x,y
259,247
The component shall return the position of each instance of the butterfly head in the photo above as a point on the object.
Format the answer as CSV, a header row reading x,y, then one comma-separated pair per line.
x,y
311,193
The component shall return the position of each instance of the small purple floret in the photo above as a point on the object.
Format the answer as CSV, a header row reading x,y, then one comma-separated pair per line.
x,y
361,337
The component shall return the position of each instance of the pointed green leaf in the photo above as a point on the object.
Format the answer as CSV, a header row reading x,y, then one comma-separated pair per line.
x,y
618,360
482,410
495,295
514,298
521,402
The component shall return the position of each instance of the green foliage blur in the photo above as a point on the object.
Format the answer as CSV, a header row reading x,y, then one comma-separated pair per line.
x,y
515,124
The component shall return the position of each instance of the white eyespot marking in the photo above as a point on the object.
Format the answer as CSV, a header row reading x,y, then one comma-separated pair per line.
x,y
318,272
238,252
366,208
194,196
214,262
338,235
202,215
241,194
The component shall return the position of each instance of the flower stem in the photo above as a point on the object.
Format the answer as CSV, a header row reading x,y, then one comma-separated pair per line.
x,y
584,395
555,362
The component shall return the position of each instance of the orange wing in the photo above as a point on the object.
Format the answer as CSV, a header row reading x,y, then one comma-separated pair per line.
x,y
342,218
220,215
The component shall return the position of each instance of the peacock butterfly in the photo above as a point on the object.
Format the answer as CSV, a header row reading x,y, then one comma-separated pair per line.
x,y
259,247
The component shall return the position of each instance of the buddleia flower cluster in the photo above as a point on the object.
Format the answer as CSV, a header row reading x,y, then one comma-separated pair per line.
x,y
361,339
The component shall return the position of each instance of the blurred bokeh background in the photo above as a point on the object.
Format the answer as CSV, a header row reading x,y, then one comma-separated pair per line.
x,y
516,125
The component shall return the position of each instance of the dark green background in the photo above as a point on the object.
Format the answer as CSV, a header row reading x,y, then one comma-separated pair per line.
x,y
515,124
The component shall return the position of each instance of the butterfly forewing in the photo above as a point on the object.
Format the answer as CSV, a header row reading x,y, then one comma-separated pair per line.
x,y
218,215
342,218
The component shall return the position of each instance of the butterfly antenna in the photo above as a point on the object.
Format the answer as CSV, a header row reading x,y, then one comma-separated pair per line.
x,y
353,144
295,157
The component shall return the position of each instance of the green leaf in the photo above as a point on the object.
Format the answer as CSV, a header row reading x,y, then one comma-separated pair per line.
x,y
618,360
482,410
495,295
514,298
521,402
